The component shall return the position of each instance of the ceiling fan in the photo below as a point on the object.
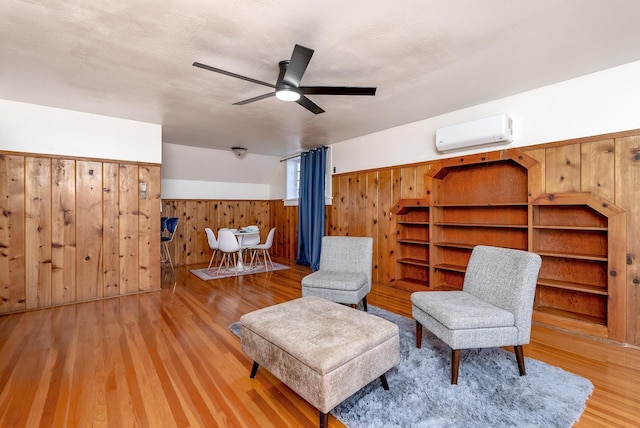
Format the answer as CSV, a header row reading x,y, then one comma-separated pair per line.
x,y
287,87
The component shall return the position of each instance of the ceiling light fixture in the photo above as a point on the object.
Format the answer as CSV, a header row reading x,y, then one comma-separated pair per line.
x,y
287,95
240,152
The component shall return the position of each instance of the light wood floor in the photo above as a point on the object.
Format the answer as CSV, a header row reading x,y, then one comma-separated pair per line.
x,y
164,359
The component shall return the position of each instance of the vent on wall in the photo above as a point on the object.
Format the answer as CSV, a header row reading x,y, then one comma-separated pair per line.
x,y
490,130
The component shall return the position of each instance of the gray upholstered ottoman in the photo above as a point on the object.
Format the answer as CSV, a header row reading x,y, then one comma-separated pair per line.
x,y
322,350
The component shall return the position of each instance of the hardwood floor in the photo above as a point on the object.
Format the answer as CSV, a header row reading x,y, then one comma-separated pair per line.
x,y
168,359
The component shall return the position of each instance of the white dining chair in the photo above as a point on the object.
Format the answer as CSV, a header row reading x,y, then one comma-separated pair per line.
x,y
264,248
248,240
228,245
213,244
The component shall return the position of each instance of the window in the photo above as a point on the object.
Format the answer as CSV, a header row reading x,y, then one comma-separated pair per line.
x,y
292,188
293,181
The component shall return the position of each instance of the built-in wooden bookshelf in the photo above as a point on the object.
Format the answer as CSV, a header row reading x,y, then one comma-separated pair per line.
x,y
410,221
494,199
476,200
580,238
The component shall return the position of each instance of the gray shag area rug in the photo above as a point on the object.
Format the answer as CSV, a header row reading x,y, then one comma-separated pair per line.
x,y
490,392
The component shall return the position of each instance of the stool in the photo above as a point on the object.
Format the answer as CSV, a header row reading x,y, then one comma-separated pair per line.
x,y
323,351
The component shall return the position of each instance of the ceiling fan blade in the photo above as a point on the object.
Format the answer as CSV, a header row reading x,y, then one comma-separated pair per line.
x,y
297,65
309,105
228,73
335,90
258,98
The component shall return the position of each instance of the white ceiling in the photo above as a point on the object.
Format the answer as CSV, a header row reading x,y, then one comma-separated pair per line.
x,y
133,59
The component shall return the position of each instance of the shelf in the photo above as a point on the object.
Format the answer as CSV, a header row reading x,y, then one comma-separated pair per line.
x,y
441,287
410,284
489,204
450,267
410,258
413,241
499,226
570,315
415,262
580,228
454,245
565,285
575,256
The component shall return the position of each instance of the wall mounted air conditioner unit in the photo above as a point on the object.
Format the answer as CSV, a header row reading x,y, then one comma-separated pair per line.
x,y
490,130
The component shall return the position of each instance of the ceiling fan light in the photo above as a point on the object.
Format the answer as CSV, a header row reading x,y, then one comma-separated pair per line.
x,y
287,95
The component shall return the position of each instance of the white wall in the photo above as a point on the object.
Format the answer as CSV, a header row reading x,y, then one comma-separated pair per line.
x,y
45,130
594,104
191,189
199,173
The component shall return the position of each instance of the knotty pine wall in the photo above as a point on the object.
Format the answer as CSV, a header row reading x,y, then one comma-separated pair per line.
x,y
190,241
74,230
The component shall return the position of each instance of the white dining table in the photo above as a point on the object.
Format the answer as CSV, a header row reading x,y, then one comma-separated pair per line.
x,y
240,234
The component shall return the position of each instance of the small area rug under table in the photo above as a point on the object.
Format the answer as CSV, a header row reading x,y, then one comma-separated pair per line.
x,y
490,392
208,274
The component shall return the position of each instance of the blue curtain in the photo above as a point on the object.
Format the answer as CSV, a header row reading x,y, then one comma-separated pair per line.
x,y
311,216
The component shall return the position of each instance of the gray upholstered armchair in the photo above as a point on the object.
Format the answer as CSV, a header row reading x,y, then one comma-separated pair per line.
x,y
345,271
493,309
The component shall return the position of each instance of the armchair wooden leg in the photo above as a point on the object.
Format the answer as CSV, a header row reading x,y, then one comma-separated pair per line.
x,y
324,420
455,363
418,335
364,303
520,358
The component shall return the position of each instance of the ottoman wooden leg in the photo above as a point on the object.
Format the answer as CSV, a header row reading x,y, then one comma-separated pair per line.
x,y
383,379
254,370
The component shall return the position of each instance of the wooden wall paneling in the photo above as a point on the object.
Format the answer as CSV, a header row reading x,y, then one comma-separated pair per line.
x,y
246,212
383,215
12,229
188,234
540,156
227,213
211,221
180,245
597,168
396,185
38,231
407,182
562,167
277,220
264,222
200,251
128,228
89,232
627,191
285,220
371,219
63,231
292,227
149,230
341,197
111,230
358,205
421,187
618,295
333,211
